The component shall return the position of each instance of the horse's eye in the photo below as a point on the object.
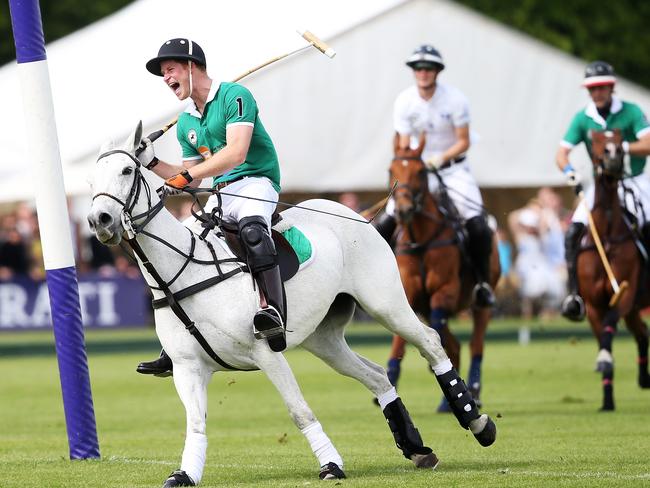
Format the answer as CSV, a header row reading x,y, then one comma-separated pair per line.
x,y
127,171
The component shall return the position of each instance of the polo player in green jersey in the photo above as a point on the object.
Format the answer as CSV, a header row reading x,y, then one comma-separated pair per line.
x,y
222,136
605,112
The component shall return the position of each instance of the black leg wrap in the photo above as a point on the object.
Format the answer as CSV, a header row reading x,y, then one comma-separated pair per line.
x,y
460,400
407,437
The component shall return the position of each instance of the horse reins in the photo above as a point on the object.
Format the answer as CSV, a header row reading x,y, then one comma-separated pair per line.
x,y
171,299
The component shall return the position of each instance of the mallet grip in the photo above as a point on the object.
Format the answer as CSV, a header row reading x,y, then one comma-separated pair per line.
x,y
318,43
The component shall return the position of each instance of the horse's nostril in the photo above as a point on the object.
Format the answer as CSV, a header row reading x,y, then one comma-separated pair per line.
x,y
91,224
105,219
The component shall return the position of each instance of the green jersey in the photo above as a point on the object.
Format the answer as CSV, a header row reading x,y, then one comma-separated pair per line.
x,y
201,136
625,116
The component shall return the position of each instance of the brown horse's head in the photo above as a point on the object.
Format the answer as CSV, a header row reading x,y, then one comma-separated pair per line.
x,y
607,153
408,170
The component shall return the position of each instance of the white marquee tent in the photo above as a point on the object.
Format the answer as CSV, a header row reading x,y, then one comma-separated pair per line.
x,y
330,119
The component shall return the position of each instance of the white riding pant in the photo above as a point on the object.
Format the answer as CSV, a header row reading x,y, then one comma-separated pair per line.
x,y
461,187
640,186
235,207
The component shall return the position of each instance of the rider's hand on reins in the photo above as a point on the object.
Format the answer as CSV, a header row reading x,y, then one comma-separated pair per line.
x,y
178,182
434,162
572,177
146,154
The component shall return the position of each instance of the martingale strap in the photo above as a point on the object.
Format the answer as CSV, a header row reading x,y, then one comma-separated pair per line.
x,y
172,300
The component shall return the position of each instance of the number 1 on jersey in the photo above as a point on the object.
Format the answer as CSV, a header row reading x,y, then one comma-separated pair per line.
x,y
240,106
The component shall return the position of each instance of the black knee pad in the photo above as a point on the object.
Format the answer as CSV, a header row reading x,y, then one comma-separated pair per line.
x,y
573,235
460,400
258,244
407,437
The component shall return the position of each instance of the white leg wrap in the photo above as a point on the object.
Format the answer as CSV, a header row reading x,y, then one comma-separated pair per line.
x,y
442,368
385,398
321,445
194,456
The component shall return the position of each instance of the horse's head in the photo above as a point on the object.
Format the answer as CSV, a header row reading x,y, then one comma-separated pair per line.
x,y
607,153
408,170
117,185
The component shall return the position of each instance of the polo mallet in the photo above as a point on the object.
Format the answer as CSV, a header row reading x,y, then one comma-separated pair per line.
x,y
618,289
308,36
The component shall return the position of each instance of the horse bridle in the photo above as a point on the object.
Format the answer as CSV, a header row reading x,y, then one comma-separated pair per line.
x,y
139,181
417,196
132,230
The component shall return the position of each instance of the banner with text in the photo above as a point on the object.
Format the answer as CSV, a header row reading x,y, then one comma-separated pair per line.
x,y
113,301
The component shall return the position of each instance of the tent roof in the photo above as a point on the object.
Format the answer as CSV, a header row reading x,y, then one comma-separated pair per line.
x,y
330,118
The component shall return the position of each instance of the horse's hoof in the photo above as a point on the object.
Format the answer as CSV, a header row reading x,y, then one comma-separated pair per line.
x,y
488,435
607,408
425,460
331,471
178,478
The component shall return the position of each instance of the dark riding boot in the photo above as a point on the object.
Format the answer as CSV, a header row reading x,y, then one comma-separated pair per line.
x,y
269,321
645,235
161,367
573,306
480,250
385,225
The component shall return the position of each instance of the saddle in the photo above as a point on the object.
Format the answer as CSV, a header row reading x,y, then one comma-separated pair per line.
x,y
287,258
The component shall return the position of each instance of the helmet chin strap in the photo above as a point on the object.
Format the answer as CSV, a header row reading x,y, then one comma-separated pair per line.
x,y
189,65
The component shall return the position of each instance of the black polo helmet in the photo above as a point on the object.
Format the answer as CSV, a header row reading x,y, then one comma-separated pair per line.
x,y
426,56
179,49
599,73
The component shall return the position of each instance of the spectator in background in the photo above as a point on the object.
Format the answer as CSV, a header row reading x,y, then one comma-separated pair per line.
x,y
350,200
14,253
539,280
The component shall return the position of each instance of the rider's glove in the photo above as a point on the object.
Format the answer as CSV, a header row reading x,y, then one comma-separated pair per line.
x,y
572,178
147,157
434,162
625,145
179,181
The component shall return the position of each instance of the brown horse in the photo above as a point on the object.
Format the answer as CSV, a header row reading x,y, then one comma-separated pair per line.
x,y
620,244
437,279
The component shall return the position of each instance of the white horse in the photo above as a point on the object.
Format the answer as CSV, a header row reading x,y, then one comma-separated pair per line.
x,y
351,263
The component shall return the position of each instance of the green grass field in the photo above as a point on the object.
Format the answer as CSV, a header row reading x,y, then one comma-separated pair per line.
x,y
543,396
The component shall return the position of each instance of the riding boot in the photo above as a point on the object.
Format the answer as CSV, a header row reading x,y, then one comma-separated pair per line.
x,y
645,235
161,367
480,251
573,306
385,225
269,321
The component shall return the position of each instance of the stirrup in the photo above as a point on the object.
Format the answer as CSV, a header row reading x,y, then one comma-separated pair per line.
x,y
573,307
267,323
483,295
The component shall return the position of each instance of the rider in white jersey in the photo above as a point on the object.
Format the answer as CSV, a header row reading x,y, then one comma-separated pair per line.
x,y
441,112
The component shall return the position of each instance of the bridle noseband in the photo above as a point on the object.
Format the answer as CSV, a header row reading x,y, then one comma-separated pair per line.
x,y
128,220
